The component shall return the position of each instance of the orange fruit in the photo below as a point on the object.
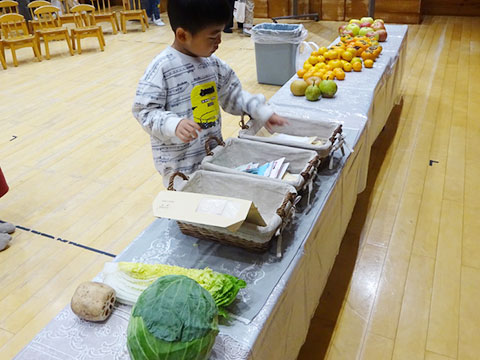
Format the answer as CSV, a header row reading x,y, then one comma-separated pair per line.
x,y
368,63
308,74
329,75
301,72
315,53
321,65
347,67
307,66
347,55
356,59
357,66
313,60
321,58
322,50
339,74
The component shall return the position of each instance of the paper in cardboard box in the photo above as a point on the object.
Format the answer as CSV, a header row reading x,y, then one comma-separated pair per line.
x,y
205,209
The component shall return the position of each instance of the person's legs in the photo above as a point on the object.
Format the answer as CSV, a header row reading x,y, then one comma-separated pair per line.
x,y
228,27
248,24
156,13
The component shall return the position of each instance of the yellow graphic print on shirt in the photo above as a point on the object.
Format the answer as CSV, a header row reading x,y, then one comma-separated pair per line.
x,y
205,107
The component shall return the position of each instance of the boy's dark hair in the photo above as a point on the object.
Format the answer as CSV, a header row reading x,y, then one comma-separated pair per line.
x,y
195,15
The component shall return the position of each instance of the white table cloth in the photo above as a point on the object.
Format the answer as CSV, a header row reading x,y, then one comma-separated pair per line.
x,y
279,329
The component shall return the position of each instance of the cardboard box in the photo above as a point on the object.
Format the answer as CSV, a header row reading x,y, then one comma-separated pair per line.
x,y
221,211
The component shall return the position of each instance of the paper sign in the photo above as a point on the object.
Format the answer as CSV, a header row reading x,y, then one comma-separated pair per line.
x,y
205,209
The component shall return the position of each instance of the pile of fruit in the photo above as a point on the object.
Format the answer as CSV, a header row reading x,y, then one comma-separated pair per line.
x,y
358,47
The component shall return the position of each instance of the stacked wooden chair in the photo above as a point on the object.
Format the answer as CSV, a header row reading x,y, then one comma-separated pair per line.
x,y
104,13
32,6
132,10
8,7
85,26
50,27
2,56
15,35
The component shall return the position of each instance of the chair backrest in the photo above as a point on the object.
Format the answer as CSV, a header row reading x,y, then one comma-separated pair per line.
x,y
8,7
13,26
35,5
132,4
47,17
83,15
102,6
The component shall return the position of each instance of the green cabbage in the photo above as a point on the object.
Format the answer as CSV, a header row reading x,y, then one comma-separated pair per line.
x,y
174,319
130,279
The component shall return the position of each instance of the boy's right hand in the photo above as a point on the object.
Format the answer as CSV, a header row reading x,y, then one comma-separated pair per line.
x,y
187,130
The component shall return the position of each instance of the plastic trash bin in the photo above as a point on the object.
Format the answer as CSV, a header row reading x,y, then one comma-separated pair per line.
x,y
276,50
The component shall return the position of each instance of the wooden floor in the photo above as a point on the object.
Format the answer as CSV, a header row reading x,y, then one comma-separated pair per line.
x,y
406,283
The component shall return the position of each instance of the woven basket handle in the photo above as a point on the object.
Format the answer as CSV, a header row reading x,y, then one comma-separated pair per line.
x,y
334,135
172,178
281,210
311,164
242,121
207,147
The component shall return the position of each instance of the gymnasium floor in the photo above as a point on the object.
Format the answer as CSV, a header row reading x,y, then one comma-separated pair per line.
x,y
406,283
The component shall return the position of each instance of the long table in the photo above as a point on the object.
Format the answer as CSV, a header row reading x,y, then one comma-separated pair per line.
x,y
272,315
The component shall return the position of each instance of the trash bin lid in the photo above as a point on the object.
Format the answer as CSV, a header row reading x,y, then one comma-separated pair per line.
x,y
279,33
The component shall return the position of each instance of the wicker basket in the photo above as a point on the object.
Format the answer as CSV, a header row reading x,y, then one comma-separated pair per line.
x,y
329,132
235,152
274,202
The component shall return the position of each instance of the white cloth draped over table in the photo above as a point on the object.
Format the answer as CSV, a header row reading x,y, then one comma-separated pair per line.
x,y
280,327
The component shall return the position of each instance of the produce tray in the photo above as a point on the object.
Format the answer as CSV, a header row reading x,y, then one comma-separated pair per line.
x,y
236,152
274,202
329,132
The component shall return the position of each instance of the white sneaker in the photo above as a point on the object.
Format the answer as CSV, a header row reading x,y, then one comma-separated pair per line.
x,y
247,32
158,22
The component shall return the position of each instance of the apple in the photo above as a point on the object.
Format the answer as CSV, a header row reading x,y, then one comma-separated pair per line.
x,y
377,26
347,33
366,19
342,28
313,80
382,35
354,28
354,21
365,24
372,35
364,30
379,20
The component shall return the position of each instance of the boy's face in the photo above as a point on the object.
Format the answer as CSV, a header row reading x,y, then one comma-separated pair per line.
x,y
205,42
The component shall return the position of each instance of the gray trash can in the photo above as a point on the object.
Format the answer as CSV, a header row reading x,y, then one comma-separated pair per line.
x,y
276,50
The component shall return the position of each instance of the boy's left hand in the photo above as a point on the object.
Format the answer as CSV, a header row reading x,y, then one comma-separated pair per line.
x,y
275,120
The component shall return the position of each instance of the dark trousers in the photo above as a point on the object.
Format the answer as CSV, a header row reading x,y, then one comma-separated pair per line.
x,y
152,9
230,23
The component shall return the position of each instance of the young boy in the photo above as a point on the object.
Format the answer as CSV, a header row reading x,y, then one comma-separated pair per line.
x,y
177,100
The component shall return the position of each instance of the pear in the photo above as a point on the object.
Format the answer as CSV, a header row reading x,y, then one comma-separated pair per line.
x,y
298,87
313,93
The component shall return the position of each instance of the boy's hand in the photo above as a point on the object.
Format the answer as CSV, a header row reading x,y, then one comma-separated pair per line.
x,y
275,120
187,130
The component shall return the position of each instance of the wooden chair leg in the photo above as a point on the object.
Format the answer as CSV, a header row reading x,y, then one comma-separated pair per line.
x,y
47,49
67,38
114,29
124,24
142,21
2,60
145,17
14,55
72,36
36,49
100,41
116,23
79,44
